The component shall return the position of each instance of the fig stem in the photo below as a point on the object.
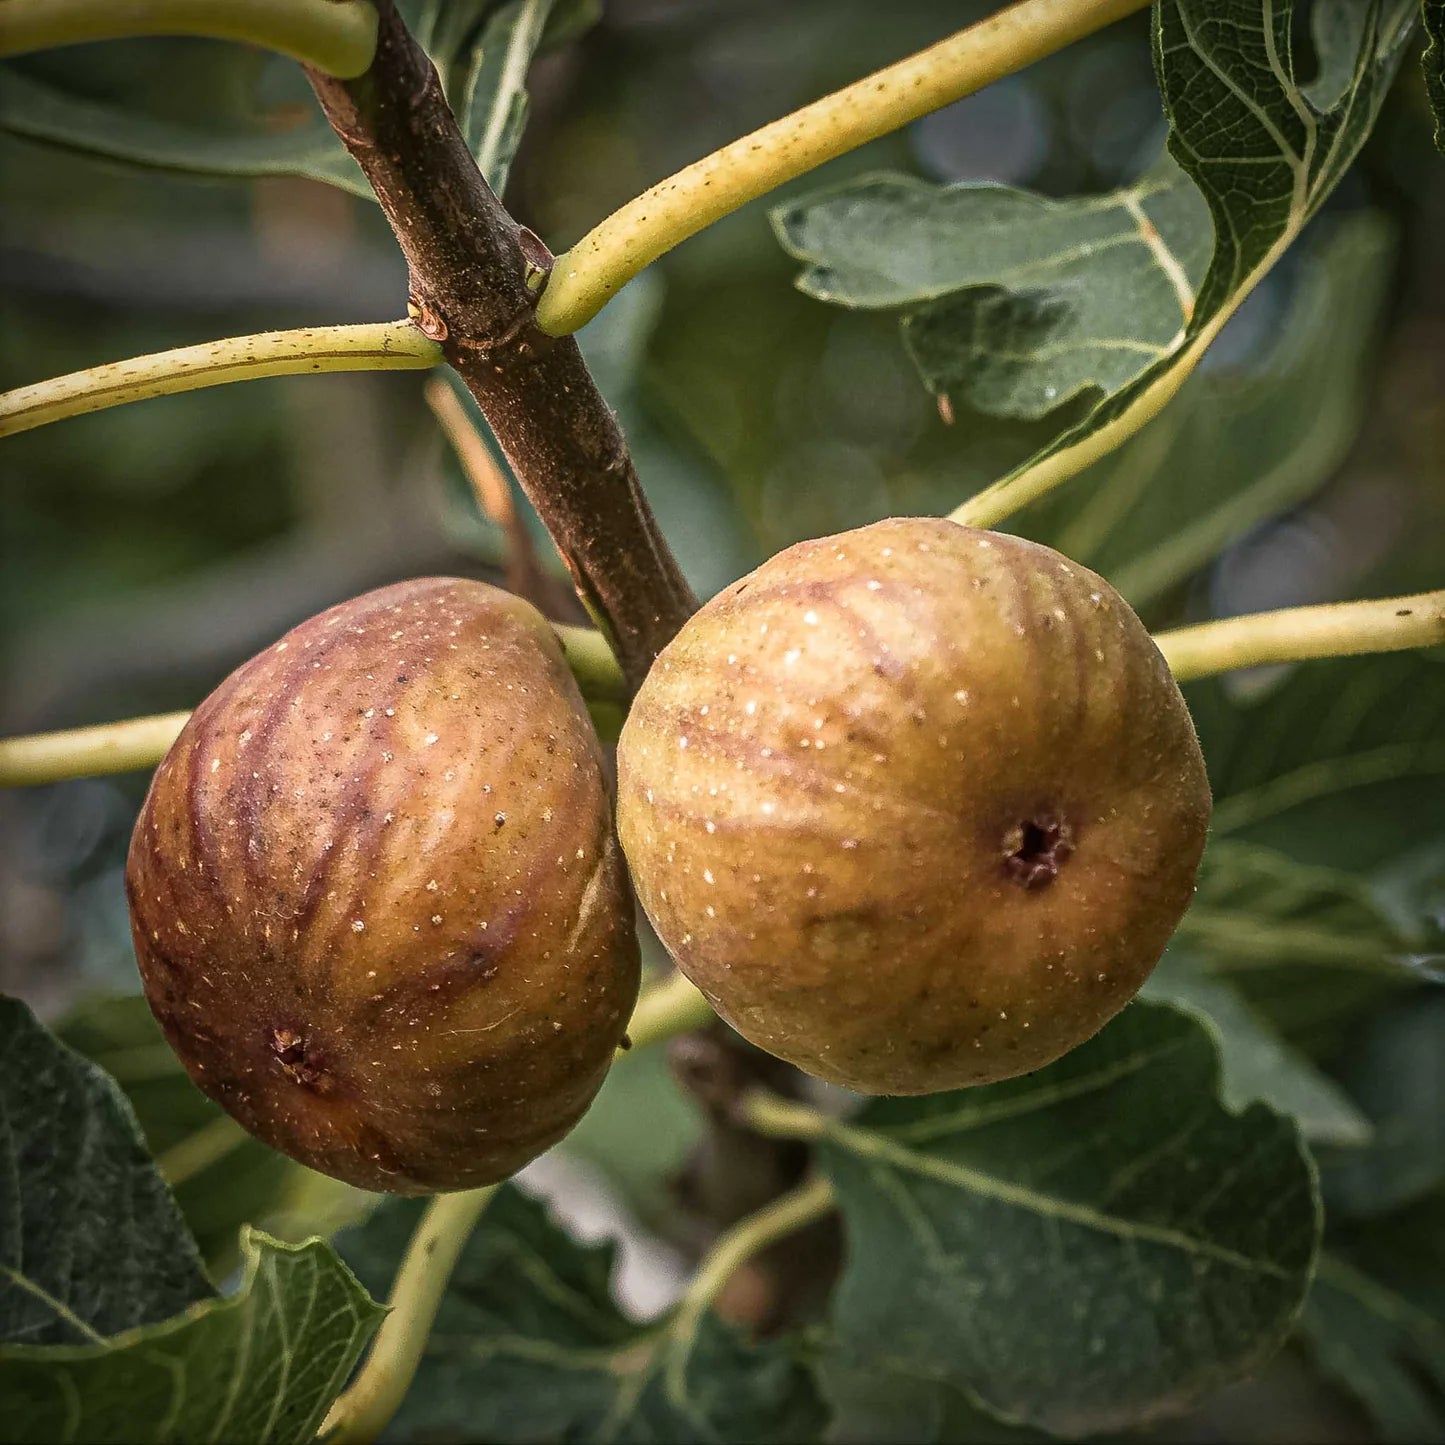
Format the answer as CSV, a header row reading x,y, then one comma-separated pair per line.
x,y
118,747
781,1118
364,1410
337,36
587,277
785,1215
670,1007
1296,634
374,346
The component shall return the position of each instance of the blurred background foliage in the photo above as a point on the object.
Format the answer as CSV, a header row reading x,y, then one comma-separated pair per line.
x,y
147,550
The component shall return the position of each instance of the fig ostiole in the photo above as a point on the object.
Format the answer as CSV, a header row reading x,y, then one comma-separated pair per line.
x,y
916,806
376,897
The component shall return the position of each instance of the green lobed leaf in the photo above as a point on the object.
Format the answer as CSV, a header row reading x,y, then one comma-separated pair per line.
x,y
1256,906
1085,1248
1256,1062
481,50
528,1345
40,110
91,1242
1013,302
1342,764
1263,151
1375,1321
1240,443
221,1176
260,1367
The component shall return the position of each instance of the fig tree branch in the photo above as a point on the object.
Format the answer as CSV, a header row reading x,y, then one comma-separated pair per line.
x,y
1342,629
337,36
378,346
596,268
364,1409
474,275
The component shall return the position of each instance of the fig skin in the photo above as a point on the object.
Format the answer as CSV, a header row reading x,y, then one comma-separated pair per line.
x,y
916,806
376,897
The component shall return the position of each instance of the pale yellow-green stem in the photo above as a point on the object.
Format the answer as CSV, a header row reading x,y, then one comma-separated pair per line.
x,y
375,346
585,278
365,1408
334,36
1295,634
138,742
787,1214
668,1008
781,1118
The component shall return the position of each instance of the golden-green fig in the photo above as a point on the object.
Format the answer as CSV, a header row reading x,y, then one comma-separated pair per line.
x,y
375,894
916,806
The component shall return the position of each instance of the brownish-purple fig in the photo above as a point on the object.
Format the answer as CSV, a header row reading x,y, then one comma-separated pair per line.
x,y
916,806
376,897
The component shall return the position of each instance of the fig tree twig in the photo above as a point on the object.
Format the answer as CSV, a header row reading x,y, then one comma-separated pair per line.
x,y
337,36
375,346
474,276
787,1214
596,268
1295,634
781,1118
118,747
367,1405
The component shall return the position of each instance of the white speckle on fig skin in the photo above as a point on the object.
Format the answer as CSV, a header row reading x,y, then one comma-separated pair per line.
x,y
966,694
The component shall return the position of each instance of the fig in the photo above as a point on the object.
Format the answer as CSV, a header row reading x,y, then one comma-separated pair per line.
x,y
916,807
376,897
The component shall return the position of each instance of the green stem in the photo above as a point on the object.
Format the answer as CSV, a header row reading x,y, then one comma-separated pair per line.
x,y
673,1006
375,346
781,1118
365,1409
1296,634
603,261
138,742
335,36
787,1214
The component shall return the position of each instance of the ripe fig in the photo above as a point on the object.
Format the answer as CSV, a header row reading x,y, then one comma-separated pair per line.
x,y
916,806
375,894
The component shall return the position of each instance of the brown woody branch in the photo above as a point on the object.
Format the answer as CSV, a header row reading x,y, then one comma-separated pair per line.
x,y
475,276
